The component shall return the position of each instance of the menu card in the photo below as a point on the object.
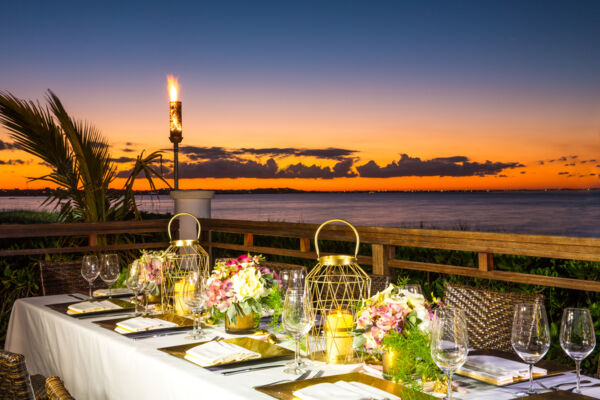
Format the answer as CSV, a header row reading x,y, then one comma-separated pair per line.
x,y
92,306
342,390
219,352
139,324
496,370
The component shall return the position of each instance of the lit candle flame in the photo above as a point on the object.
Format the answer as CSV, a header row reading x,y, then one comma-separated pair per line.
x,y
173,87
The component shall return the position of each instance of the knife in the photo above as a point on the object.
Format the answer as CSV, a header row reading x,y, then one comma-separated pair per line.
x,y
239,371
150,334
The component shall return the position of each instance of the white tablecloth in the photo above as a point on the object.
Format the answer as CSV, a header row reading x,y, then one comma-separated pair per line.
x,y
96,363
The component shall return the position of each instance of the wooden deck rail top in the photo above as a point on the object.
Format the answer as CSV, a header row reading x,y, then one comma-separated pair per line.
x,y
382,239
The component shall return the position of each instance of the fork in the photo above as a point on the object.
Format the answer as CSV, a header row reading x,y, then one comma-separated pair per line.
x,y
300,378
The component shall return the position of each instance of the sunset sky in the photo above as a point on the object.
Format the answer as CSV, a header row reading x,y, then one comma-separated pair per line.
x,y
348,95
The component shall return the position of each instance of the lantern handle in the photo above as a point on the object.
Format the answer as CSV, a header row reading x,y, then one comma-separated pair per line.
x,y
344,222
179,215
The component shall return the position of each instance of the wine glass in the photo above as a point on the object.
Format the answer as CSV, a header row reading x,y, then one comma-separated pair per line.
x,y
194,296
291,278
297,320
109,270
530,335
449,341
90,269
135,282
296,279
577,336
148,284
413,288
284,278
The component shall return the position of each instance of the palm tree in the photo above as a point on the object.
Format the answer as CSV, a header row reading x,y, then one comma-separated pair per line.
x,y
79,157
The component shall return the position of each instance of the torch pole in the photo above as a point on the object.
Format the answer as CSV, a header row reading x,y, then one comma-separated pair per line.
x,y
176,165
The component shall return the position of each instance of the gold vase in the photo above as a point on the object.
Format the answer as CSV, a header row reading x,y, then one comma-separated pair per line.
x,y
388,361
243,324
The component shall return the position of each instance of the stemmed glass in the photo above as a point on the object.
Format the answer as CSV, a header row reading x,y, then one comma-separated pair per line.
x,y
194,296
413,288
577,336
530,335
135,282
297,320
291,278
449,342
109,270
147,284
90,269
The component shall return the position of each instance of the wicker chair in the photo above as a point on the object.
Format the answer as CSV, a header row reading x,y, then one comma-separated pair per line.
x,y
15,382
55,389
489,314
379,283
60,277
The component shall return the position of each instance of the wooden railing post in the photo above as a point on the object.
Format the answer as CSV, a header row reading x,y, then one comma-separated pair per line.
x,y
486,261
381,255
304,244
248,240
93,239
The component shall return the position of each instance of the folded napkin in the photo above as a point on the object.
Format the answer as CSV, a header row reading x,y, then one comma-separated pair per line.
x,y
115,292
496,370
92,306
139,324
218,352
342,390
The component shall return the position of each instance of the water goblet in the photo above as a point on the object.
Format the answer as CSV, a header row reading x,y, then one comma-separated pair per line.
x,y
297,320
135,283
109,270
577,337
194,296
530,336
90,269
449,342
284,279
413,288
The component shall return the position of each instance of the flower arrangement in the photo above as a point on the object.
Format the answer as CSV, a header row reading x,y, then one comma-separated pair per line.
x,y
398,322
393,309
240,286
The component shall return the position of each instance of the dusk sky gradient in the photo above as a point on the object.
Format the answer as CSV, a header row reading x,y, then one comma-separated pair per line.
x,y
348,95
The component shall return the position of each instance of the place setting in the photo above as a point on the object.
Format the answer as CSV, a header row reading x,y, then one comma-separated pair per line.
x,y
107,267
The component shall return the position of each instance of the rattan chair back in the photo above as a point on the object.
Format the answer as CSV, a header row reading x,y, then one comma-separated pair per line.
x,y
379,283
489,314
15,383
60,277
56,390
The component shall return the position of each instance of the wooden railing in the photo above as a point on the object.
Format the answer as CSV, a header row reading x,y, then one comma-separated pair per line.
x,y
383,242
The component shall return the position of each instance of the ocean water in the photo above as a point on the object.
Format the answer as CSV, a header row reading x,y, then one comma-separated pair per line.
x,y
567,213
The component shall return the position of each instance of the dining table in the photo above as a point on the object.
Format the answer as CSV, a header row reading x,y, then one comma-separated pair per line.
x,y
98,363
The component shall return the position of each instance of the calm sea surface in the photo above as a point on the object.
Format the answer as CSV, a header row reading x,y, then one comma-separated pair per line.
x,y
549,213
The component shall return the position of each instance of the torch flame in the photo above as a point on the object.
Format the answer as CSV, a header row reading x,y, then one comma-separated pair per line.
x,y
173,87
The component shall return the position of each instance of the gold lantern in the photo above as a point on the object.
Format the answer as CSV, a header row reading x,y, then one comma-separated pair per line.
x,y
336,284
180,258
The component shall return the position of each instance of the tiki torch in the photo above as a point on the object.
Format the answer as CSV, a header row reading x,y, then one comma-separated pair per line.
x,y
175,125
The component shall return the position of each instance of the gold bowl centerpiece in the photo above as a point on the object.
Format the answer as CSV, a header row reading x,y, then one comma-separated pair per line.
x,y
238,290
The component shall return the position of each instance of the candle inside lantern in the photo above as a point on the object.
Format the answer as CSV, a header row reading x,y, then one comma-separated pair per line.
x,y
179,305
337,336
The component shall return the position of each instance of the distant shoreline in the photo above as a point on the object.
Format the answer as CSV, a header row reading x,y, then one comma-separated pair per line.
x,y
47,191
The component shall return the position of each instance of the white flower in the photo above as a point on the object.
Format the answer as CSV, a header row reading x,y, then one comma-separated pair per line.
x,y
246,284
423,315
